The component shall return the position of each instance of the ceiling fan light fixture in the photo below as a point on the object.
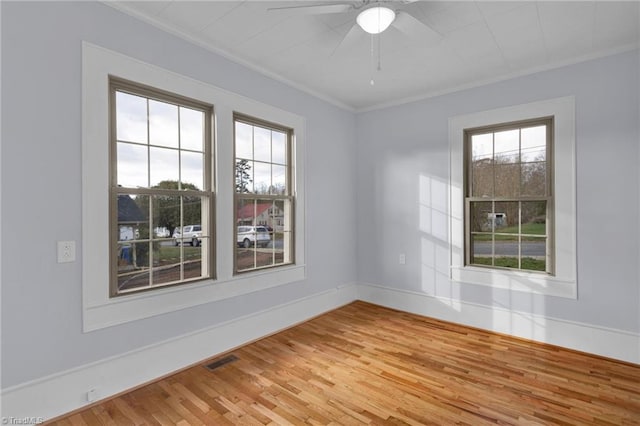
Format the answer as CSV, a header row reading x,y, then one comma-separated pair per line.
x,y
376,19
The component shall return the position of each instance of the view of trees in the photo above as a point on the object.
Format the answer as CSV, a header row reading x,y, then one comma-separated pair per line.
x,y
244,180
166,208
501,177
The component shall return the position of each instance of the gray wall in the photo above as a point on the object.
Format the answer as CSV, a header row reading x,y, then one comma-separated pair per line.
x,y
405,148
41,184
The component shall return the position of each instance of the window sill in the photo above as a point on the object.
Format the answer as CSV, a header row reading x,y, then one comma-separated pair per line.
x,y
515,281
108,312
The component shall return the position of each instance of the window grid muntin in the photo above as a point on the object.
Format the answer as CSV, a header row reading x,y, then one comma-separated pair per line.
x,y
287,198
206,195
547,198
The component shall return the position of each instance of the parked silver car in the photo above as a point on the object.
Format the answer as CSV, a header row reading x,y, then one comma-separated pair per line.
x,y
248,236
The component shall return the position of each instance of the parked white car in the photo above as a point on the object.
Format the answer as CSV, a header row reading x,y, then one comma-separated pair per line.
x,y
190,234
253,236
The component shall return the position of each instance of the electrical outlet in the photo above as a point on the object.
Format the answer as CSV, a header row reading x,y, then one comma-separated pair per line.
x,y
402,259
66,251
92,395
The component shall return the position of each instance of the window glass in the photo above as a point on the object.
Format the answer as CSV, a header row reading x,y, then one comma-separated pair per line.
x,y
507,196
264,233
161,196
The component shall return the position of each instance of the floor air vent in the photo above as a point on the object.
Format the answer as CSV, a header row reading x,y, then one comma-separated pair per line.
x,y
222,361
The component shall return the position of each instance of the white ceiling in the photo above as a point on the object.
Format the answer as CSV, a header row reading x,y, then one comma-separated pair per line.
x,y
477,42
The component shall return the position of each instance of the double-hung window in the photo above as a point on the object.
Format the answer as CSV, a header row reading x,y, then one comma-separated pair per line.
x,y
512,210
160,189
263,195
165,210
508,196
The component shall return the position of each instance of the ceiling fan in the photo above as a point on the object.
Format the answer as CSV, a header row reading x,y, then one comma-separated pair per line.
x,y
373,17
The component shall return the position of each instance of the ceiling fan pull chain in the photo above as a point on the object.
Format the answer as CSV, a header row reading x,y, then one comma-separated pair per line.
x,y
372,82
379,54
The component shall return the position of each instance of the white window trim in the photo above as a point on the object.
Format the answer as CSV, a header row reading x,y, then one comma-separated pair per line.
x,y
564,282
100,310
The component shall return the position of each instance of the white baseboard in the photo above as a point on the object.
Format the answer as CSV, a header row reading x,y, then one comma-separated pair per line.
x,y
607,342
63,392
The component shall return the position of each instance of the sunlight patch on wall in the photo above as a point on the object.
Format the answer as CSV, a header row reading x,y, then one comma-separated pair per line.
x,y
434,245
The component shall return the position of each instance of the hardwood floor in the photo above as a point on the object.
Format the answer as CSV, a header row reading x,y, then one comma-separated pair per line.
x,y
364,364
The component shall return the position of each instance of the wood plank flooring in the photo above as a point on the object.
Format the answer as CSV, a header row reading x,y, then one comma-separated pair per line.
x,y
365,364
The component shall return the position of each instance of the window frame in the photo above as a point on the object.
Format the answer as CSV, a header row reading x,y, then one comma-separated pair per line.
x,y
208,211
548,197
564,282
99,310
289,183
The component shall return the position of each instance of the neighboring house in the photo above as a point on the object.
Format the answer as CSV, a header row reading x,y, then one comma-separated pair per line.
x,y
265,214
129,218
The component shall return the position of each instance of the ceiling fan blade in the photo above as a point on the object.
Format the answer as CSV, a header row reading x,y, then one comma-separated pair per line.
x,y
351,38
415,28
313,9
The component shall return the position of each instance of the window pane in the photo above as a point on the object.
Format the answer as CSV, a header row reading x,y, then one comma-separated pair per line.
x,y
482,147
244,141
534,217
193,260
482,171
279,147
255,232
261,144
534,179
279,185
534,144
281,220
245,213
131,118
507,146
481,250
192,211
280,241
164,165
534,254
166,263
166,212
507,180
191,129
264,257
262,178
263,214
163,124
505,217
192,170
245,234
283,215
244,176
132,166
133,265
133,213
506,249
481,216
245,258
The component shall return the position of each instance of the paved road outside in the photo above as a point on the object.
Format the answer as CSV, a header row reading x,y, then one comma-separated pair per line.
x,y
506,248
